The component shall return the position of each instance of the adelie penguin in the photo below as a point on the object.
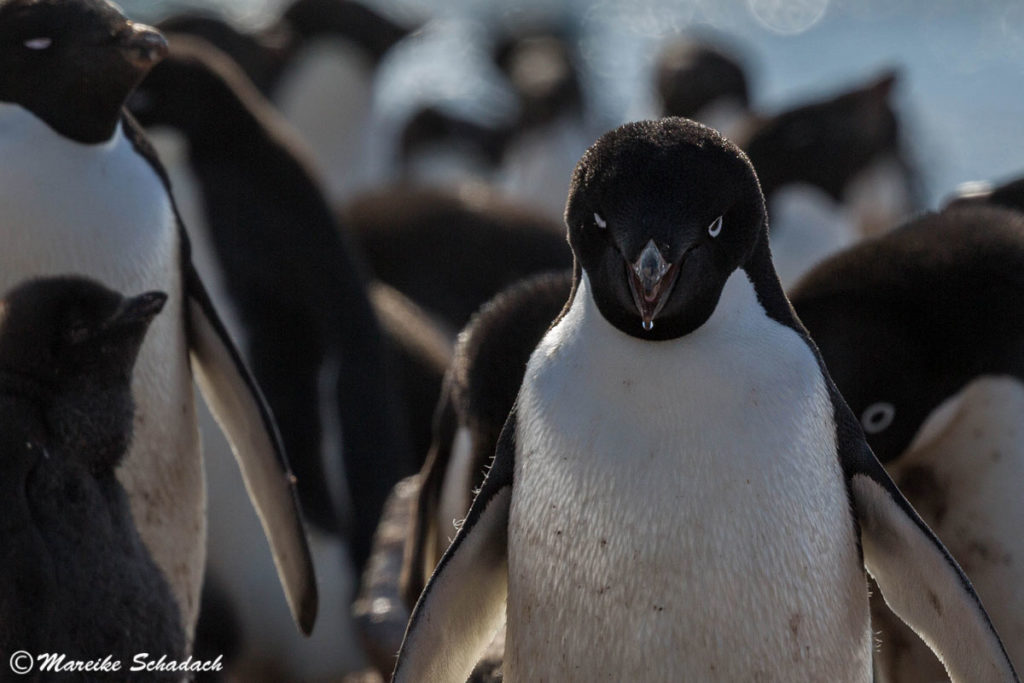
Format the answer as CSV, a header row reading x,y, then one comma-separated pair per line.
x,y
922,330
680,491
280,268
450,250
833,171
317,63
75,577
702,79
82,192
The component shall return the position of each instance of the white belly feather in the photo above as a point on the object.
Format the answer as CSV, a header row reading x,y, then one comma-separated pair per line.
x,y
678,511
101,211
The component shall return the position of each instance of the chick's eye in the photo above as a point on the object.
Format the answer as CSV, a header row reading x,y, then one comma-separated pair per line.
x,y
877,417
599,221
716,227
40,43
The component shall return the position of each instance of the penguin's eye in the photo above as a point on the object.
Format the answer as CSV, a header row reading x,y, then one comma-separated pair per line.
x,y
38,43
600,222
877,417
716,227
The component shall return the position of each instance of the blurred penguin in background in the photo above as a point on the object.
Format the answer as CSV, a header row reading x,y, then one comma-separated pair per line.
x,y
265,234
833,171
704,80
450,250
318,64
542,66
923,331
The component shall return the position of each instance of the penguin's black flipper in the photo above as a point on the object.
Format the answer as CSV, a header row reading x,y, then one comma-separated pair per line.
x,y
922,584
463,604
238,405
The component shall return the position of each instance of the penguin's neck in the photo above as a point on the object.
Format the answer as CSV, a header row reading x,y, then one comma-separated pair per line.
x,y
737,316
19,127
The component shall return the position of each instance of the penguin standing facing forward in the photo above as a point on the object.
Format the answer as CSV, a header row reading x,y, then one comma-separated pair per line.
x,y
82,192
680,491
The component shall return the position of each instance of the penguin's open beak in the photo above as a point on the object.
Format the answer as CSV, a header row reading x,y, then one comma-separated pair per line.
x,y
651,279
142,45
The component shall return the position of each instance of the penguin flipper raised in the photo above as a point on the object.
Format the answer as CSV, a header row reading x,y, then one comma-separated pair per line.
x,y
462,605
237,404
919,580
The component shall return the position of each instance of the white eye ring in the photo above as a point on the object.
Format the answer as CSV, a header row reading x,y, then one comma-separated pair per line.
x,y
877,417
38,43
716,227
601,223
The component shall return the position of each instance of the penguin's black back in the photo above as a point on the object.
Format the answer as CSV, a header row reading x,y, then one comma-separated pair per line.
x,y
911,317
825,143
449,250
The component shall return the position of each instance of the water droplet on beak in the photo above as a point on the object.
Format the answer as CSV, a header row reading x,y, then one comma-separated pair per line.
x,y
648,325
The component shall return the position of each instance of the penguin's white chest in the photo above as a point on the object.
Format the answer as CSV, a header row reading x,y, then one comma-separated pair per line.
x,y
678,510
101,211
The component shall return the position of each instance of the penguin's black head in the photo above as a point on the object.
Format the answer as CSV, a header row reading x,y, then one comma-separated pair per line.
x,y
826,143
660,213
196,89
73,63
691,75
70,344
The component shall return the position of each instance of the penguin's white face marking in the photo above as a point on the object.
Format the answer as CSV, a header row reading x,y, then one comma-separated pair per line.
x,y
962,473
716,227
600,222
101,211
877,417
38,43
653,479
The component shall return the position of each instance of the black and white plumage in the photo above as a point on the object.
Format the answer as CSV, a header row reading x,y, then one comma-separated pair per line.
x,y
833,171
288,276
702,79
479,390
922,331
82,192
75,577
680,487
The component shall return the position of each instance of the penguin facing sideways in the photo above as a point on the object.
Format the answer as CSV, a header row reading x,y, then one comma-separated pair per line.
x,y
479,389
923,331
450,250
266,239
680,490
81,191
75,578
317,63
833,172
288,275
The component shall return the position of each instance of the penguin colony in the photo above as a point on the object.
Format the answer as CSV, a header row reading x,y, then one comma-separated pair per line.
x,y
736,414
